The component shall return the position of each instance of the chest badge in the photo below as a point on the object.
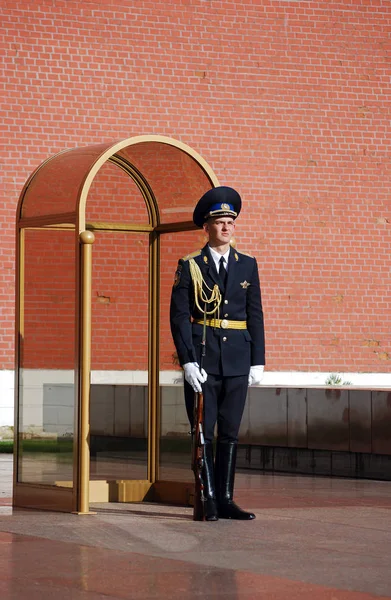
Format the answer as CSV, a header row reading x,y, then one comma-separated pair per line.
x,y
245,284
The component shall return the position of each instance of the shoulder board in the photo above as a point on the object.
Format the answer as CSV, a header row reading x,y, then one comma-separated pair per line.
x,y
192,255
245,254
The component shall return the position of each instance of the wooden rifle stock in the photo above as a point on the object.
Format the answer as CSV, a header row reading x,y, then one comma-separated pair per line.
x,y
198,457
198,442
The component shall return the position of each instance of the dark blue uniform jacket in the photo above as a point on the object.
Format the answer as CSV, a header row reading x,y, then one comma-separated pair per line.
x,y
229,352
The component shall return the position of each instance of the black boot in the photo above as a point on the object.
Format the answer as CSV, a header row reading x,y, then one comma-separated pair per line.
x,y
225,476
210,506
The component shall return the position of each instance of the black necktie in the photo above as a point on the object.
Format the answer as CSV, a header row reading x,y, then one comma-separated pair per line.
x,y
223,271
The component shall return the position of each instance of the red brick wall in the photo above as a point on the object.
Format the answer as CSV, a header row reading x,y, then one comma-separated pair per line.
x,y
288,101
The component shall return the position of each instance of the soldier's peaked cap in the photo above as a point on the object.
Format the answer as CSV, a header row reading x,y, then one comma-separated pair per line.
x,y
220,201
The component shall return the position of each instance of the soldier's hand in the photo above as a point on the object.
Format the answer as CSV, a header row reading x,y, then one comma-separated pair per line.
x,y
255,375
194,376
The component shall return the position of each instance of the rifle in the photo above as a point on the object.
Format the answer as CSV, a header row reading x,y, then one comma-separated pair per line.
x,y
198,443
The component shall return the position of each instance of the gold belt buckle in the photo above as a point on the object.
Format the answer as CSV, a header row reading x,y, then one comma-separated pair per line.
x,y
224,324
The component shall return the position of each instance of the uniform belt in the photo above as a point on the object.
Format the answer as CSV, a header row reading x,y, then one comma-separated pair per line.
x,y
223,323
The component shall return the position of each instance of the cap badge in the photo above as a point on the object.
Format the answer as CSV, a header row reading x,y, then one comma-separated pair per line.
x,y
225,206
245,284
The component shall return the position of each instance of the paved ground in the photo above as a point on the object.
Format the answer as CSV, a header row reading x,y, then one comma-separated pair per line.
x,y
313,539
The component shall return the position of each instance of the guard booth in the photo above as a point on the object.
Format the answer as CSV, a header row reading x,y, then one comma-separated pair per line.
x,y
99,232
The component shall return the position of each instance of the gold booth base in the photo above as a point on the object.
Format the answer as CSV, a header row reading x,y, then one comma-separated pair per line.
x,y
59,497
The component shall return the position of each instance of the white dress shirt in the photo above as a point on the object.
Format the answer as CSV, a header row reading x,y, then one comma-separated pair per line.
x,y
216,258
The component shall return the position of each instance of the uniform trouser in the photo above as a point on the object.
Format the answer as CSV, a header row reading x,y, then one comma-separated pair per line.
x,y
224,400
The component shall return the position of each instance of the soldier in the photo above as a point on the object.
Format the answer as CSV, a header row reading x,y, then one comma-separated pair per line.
x,y
224,283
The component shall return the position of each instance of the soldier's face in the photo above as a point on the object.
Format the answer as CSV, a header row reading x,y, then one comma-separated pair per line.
x,y
220,230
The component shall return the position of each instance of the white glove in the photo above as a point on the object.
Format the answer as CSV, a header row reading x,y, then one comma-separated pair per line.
x,y
255,375
195,376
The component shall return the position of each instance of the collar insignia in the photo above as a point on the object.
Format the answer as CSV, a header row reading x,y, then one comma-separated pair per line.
x,y
236,257
245,284
205,259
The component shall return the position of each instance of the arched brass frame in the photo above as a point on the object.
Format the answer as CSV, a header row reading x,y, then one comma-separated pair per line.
x,y
77,498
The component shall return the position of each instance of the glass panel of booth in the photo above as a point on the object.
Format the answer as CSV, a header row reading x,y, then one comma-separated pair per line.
x,y
47,358
175,178
115,199
175,441
54,187
119,356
